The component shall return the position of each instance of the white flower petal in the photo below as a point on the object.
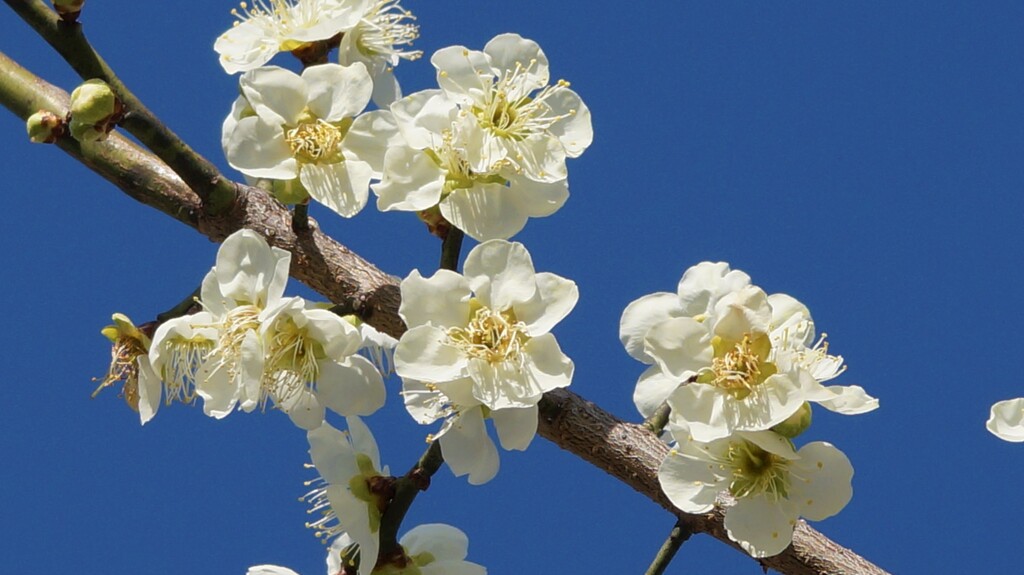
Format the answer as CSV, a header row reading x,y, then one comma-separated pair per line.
x,y
574,130
681,346
423,117
538,199
555,298
370,137
150,388
351,387
343,187
1006,420
821,481
442,542
502,385
549,368
423,354
304,408
652,389
851,400
332,454
689,483
362,440
705,283
468,450
412,181
276,94
643,314
742,312
463,74
500,273
484,212
258,149
269,570
508,50
425,405
763,528
515,427
441,300
337,92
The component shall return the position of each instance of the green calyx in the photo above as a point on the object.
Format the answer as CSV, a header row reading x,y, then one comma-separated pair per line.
x,y
795,424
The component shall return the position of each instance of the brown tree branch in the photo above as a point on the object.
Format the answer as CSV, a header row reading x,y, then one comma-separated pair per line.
x,y
627,451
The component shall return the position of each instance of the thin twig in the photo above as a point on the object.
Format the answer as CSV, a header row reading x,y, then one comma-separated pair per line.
x,y
67,38
679,534
406,489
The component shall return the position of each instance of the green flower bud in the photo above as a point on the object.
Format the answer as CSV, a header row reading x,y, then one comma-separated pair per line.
x,y
44,127
795,424
95,110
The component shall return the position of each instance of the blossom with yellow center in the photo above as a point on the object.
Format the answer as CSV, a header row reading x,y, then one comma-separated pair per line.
x,y
302,131
432,167
488,328
773,485
267,27
508,110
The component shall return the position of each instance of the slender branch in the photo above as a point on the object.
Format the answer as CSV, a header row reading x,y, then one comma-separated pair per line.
x,y
406,489
67,38
627,451
451,249
679,534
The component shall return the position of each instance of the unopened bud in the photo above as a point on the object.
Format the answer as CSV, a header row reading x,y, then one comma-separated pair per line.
x,y
95,110
795,424
44,127
68,9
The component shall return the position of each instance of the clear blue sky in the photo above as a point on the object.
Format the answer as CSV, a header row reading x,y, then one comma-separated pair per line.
x,y
864,157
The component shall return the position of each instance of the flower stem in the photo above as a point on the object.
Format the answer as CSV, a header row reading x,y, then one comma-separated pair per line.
x,y
679,534
657,421
67,38
451,248
181,308
406,489
300,217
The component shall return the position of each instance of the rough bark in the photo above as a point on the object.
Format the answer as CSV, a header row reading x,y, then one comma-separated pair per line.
x,y
626,451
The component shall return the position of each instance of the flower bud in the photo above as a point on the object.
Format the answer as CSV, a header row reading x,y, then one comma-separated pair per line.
x,y
44,127
95,110
795,424
68,9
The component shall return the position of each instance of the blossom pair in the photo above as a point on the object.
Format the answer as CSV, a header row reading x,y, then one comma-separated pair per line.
x,y
251,345
738,369
374,33
487,149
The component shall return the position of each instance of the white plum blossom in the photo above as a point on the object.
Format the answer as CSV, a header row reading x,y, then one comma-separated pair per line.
x,y
433,168
772,484
728,357
490,327
465,444
270,26
1006,420
248,279
509,113
344,497
378,40
179,348
309,364
300,130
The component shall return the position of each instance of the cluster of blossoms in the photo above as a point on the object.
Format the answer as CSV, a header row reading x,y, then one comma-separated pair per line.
x,y
484,152
738,369
251,345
